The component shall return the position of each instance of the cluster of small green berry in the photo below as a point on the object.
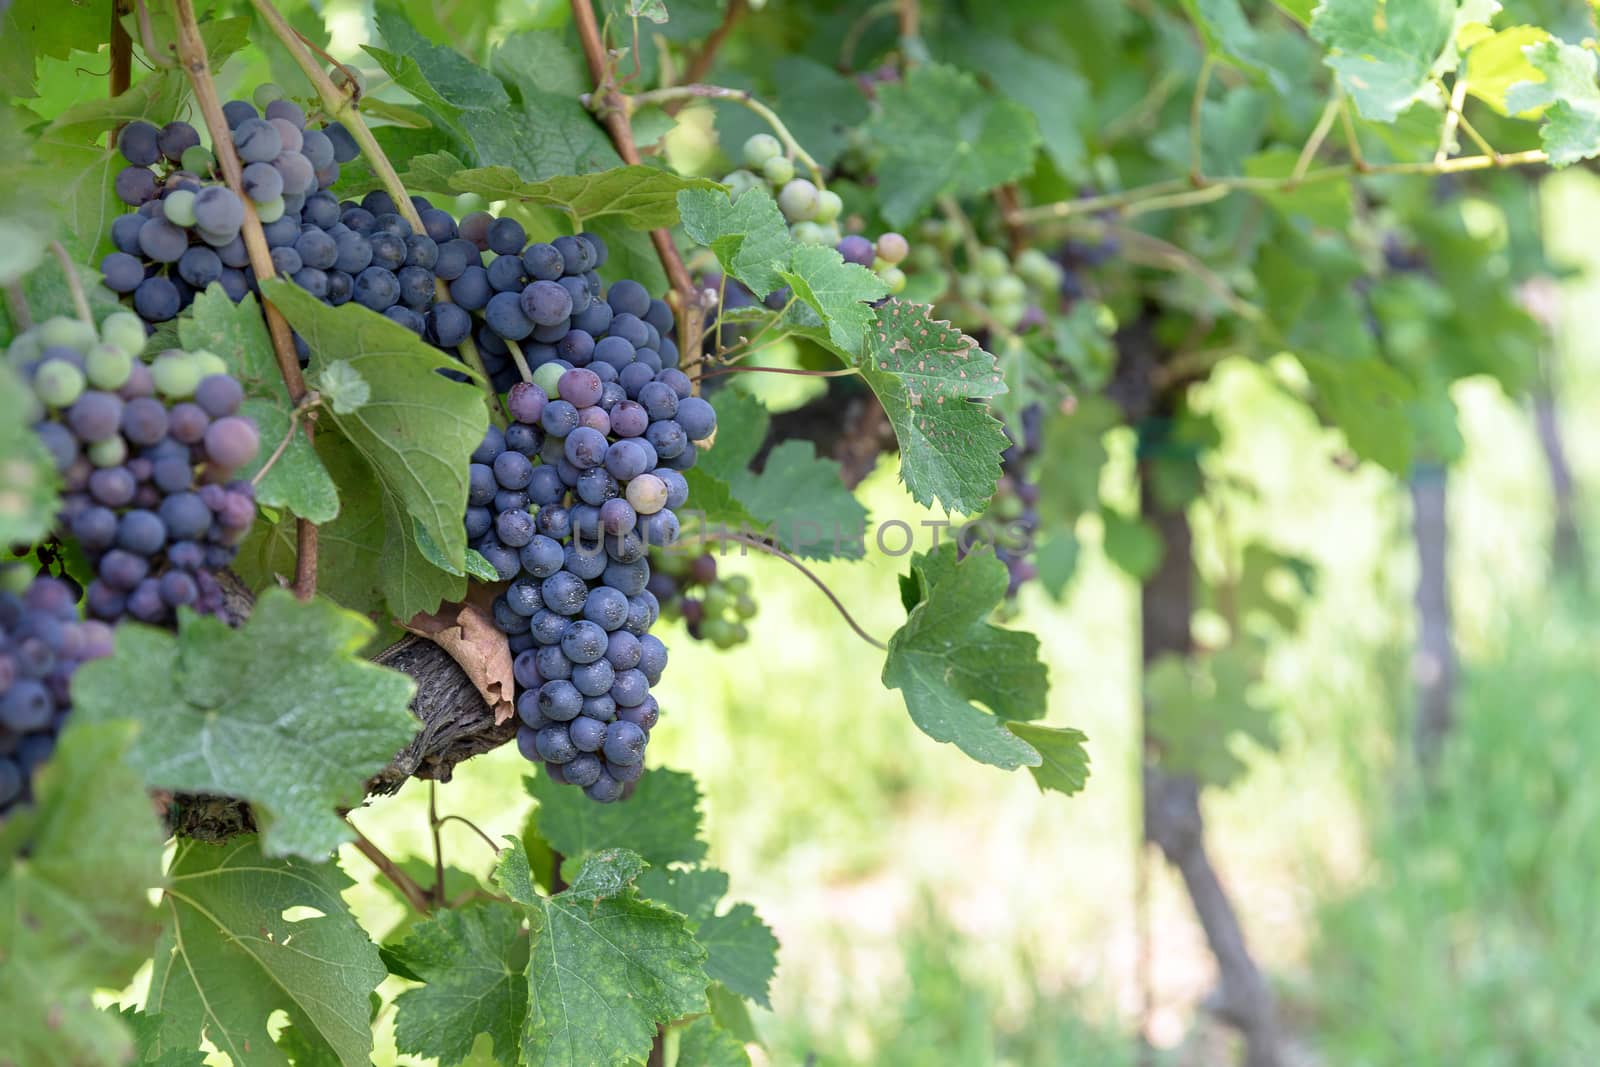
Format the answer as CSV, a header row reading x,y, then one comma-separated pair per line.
x,y
713,607
987,286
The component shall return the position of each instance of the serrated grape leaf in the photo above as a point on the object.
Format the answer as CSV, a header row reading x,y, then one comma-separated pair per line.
x,y
474,962
741,952
693,893
1568,92
1058,95
281,713
1499,61
30,29
1066,764
147,1043
541,59
660,822
732,1013
1131,543
1070,486
1197,706
841,293
1385,51
74,910
552,134
798,497
237,332
704,1044
748,235
947,657
417,430
1229,36
819,105
228,959
28,480
606,967
1365,398
926,374
654,10
940,132
644,198
437,75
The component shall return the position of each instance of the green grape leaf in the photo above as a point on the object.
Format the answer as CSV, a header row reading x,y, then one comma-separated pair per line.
x,y
927,374
47,296
606,967
1197,707
693,893
1365,398
1499,61
417,430
748,235
940,132
644,198
1326,204
741,952
228,958
1130,543
798,497
1229,35
732,1013
632,255
840,292
297,481
147,1041
660,822
542,60
1070,486
281,713
1385,53
343,387
704,1044
819,104
1057,94
1568,94
551,135
31,29
654,10
947,657
1066,763
28,480
75,870
474,962
440,77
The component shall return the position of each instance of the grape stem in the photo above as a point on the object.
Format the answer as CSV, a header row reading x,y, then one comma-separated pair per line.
x,y
80,299
192,55
745,368
147,36
342,106
610,107
1179,192
414,894
774,550
519,359
121,57
17,305
474,827
438,844
312,400
792,148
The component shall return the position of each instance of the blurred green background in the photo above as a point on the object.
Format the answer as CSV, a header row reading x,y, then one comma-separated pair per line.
x,y
934,911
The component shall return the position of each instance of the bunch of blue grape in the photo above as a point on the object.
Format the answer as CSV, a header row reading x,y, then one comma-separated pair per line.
x,y
713,607
1016,501
565,505
146,454
42,642
184,232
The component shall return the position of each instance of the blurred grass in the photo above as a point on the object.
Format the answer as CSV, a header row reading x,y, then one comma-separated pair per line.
x,y
935,911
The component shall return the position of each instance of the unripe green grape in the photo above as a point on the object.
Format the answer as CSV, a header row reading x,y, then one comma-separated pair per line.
x,y
971,288
923,258
108,367
831,234
719,631
467,203
25,348
209,362
808,233
760,148
265,94
740,182
778,169
993,263
271,211
546,377
829,206
1007,289
895,279
737,584
67,332
58,383
1039,270
179,207
1008,315
175,374
892,247
745,607
198,160
111,452
124,330
798,200
716,601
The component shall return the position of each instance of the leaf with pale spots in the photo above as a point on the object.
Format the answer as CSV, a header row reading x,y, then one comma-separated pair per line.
x,y
930,378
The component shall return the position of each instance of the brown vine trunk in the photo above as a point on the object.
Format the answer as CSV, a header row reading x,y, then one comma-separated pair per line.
x,y
1434,663
1172,818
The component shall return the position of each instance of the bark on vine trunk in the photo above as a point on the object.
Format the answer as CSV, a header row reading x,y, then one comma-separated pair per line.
x,y
1172,818
1434,663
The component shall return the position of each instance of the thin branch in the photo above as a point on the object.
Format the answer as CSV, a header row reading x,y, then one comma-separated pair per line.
x,y
791,147
342,107
913,49
415,895
474,827
192,54
121,57
774,550
1171,193
745,368
1319,134
613,114
519,359
1452,116
1477,138
1352,141
80,299
438,845
147,36
1196,114
1154,252
17,306
353,84
312,399
703,60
